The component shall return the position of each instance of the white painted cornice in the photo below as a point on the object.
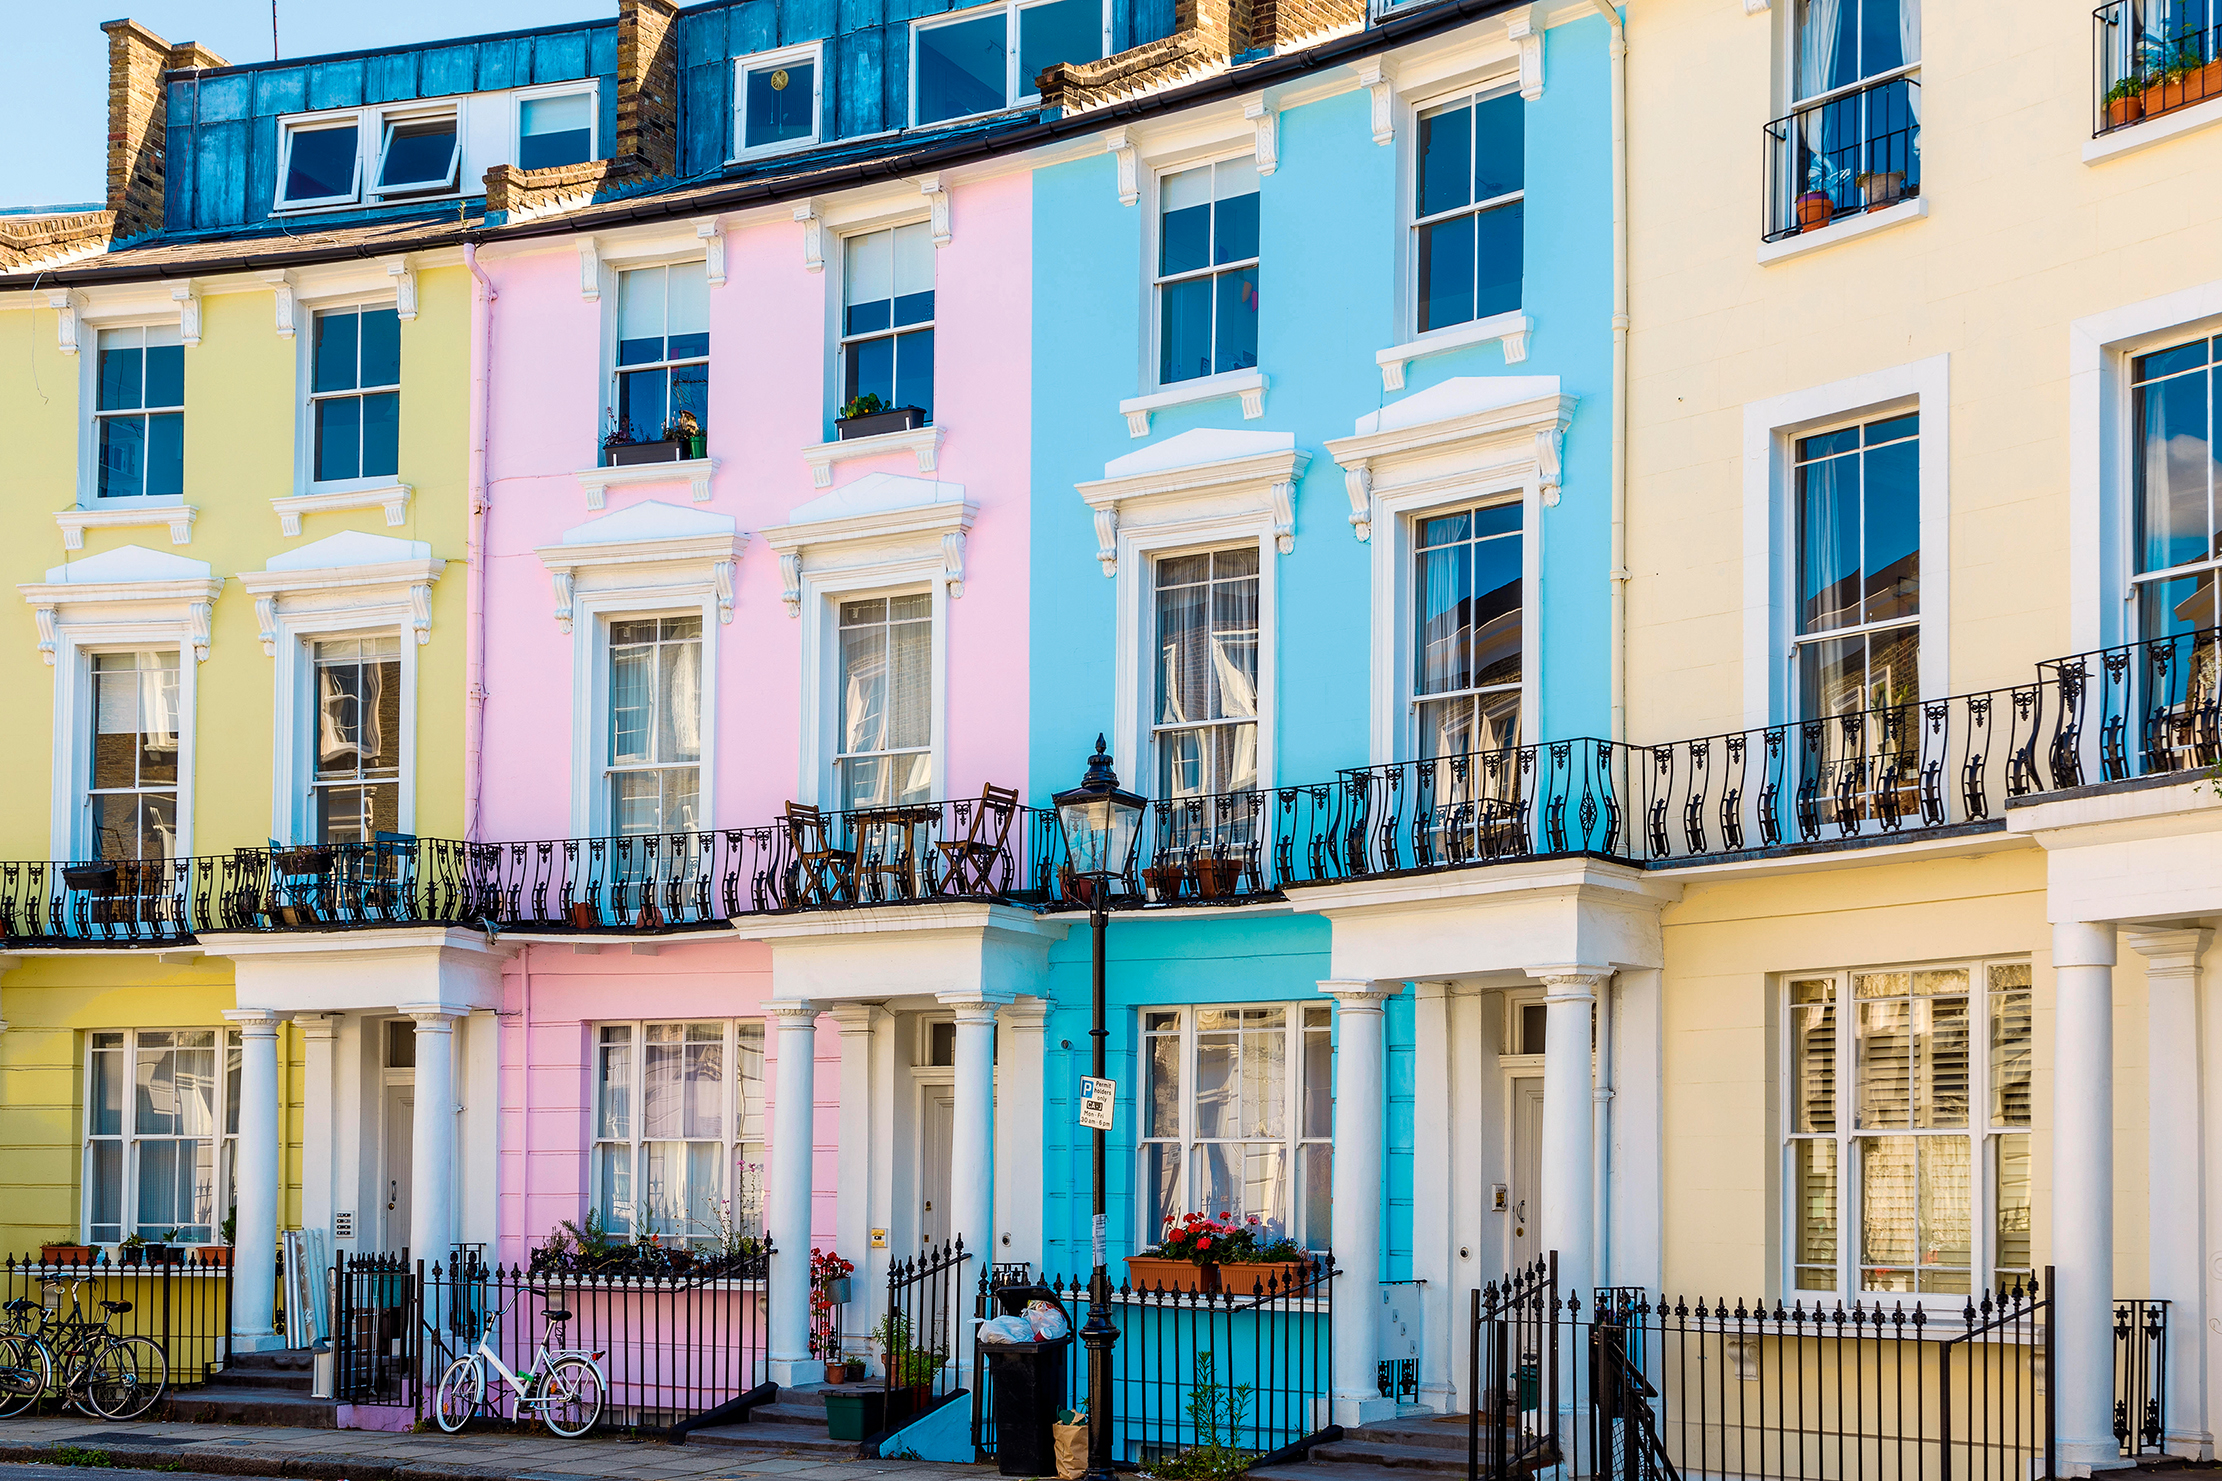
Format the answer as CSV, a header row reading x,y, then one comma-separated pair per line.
x,y
393,498
695,473
923,443
176,518
1259,483
1525,437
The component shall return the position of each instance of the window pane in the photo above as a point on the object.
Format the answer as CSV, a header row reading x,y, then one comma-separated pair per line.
x,y
123,457
122,363
871,369
381,347
1161,1110
1216,1088
911,681
1447,272
914,273
1497,254
1892,530
914,368
2174,455
1815,1172
863,687
555,131
1883,1048
381,435
334,359
1062,31
640,316
165,455
1184,228
961,68
320,164
1941,1070
689,312
615,1195
1445,160
1442,636
705,1083
419,153
777,106
104,1116
2012,1202
1160,1187
663,1084
1886,1198
2011,1045
868,282
165,366
616,1084
1813,1055
104,1198
1947,1214
339,432
1500,142
1264,1083
1318,1195
1237,323
1185,311
1235,214
1319,1084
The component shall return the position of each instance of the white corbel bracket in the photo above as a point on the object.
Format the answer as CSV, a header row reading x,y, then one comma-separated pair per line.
x,y
1550,448
420,612
1107,539
281,288
721,580
199,616
1357,482
565,583
937,206
64,304
1755,7
712,236
266,623
1376,78
393,498
590,270
1283,498
404,288
790,581
45,619
952,562
177,517
188,301
1522,26
1266,121
1121,147
813,237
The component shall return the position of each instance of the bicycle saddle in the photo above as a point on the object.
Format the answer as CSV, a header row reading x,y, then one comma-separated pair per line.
x,y
22,1304
559,1316
118,1308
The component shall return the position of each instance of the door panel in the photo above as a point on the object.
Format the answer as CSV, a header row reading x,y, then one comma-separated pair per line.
x,y
393,1183
1525,1234
936,1133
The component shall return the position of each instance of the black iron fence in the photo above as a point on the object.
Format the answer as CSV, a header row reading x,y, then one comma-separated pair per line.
x,y
2150,708
921,1329
1669,1388
645,883
673,1346
2148,60
1854,150
1243,1368
2140,1376
182,1304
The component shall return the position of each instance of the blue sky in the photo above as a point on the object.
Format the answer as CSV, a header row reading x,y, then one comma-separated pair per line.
x,y
54,70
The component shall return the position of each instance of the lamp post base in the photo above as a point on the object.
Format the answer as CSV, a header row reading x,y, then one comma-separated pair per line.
x,y
1099,1336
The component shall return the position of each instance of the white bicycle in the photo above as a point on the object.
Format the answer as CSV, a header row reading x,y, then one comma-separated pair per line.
x,y
563,1387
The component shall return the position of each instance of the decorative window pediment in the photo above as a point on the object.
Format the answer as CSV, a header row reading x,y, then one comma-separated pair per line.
x,y
882,520
655,550
1450,435
1207,478
351,577
127,590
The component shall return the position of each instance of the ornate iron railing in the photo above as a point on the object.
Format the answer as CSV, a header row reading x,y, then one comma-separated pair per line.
x,y
2140,1375
643,883
2148,708
2147,61
1850,151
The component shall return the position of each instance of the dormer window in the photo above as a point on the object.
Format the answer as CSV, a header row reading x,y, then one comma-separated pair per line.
x,y
419,155
776,100
989,57
555,130
321,164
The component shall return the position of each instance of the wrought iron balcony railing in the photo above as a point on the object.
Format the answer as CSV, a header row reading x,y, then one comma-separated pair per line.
x,y
2141,709
1844,153
2147,61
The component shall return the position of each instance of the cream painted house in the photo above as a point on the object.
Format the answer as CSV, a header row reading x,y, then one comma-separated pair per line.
x,y
1920,386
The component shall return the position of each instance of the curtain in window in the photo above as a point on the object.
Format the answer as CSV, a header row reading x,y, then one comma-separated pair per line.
x,y
682,703
1820,42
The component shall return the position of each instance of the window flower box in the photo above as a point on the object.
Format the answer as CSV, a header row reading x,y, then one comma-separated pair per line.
x,y
872,424
2182,89
1157,1272
302,861
97,879
66,1254
626,454
1262,1276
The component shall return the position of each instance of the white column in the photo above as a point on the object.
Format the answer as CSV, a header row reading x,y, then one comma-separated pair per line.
x,y
1436,1180
1018,1136
255,1183
972,1150
1569,1121
787,1210
432,1134
1360,1151
856,1159
317,1192
2176,1177
2083,1194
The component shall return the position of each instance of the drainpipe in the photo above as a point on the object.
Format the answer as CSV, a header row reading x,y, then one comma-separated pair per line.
x,y
1600,1159
474,548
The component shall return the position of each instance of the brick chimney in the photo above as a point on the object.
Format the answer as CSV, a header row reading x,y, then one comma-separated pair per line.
x,y
648,85
137,58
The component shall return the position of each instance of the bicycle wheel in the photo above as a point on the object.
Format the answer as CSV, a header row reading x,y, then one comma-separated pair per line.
x,y
572,1398
462,1386
127,1377
25,1372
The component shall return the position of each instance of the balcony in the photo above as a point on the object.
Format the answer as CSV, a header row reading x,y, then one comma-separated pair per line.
x,y
1844,154
2147,63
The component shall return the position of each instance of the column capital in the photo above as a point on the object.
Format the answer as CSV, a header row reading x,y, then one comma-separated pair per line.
x,y
317,1025
434,1018
972,1006
790,1012
1571,982
1025,1013
255,1021
856,1019
1433,989
2173,952
2082,943
1355,995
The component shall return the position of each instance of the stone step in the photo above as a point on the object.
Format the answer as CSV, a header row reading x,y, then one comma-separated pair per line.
x,y
1365,1452
1447,1432
789,1415
275,1360
793,1437
224,1403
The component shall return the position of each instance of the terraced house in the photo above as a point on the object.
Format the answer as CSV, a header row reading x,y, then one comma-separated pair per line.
x,y
1647,710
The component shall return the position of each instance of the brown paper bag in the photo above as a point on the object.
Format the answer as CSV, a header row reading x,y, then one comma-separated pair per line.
x,y
1071,1441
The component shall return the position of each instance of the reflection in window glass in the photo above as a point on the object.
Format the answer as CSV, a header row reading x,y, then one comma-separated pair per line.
x,y
555,131
1206,625
884,748
1207,270
1059,31
663,351
1468,630
2178,511
160,1115
778,103
355,393
677,1105
962,68
139,413
131,802
887,317
320,164
1858,493
420,154
655,725
357,738
1467,203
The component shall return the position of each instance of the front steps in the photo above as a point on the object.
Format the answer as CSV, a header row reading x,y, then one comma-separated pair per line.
x,y
256,1388
796,1422
1412,1447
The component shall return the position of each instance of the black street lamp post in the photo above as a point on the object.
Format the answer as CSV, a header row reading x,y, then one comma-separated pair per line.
x,y
1102,825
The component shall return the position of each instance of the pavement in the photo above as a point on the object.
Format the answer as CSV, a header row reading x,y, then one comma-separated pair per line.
x,y
35,1447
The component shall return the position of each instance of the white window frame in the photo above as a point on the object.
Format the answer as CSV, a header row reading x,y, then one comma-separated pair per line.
x,y
590,90
373,129
293,816
611,273
88,479
1148,768
1982,1162
729,1115
86,793
936,747
76,641
610,770
1408,513
306,398
1408,205
227,1043
1798,638
391,122
1017,91
837,298
1153,334
1293,1138
596,615
1771,429
811,51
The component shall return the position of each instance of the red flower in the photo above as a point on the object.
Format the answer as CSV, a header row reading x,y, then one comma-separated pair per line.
x,y
1223,1213
1204,1243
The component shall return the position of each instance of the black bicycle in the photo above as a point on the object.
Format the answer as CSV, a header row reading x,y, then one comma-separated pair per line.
x,y
50,1348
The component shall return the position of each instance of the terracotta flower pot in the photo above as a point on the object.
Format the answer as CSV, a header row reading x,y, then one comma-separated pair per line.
x,y
66,1254
2196,86
215,1256
1218,879
1274,1277
836,1372
1164,881
1814,210
2125,110
1171,1275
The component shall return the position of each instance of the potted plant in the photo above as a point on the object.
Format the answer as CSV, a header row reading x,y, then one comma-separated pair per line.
x,y
1814,210
218,1255
853,1370
1164,881
133,1251
1189,1253
98,878
66,1254
2125,101
584,916
686,430
868,416
1277,1265
303,858
619,450
1881,187
1219,879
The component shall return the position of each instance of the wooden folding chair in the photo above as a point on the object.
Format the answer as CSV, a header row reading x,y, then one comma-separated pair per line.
x,y
971,859
825,874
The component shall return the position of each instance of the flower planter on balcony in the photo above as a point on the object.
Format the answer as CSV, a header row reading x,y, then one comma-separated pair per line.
x,y
2195,86
302,861
1164,881
2121,111
1171,1275
1218,879
584,916
1275,1276
895,419
625,455
1814,210
96,879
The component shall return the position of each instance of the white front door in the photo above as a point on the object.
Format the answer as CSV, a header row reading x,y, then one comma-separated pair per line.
x,y
400,1139
937,1130
1527,1173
